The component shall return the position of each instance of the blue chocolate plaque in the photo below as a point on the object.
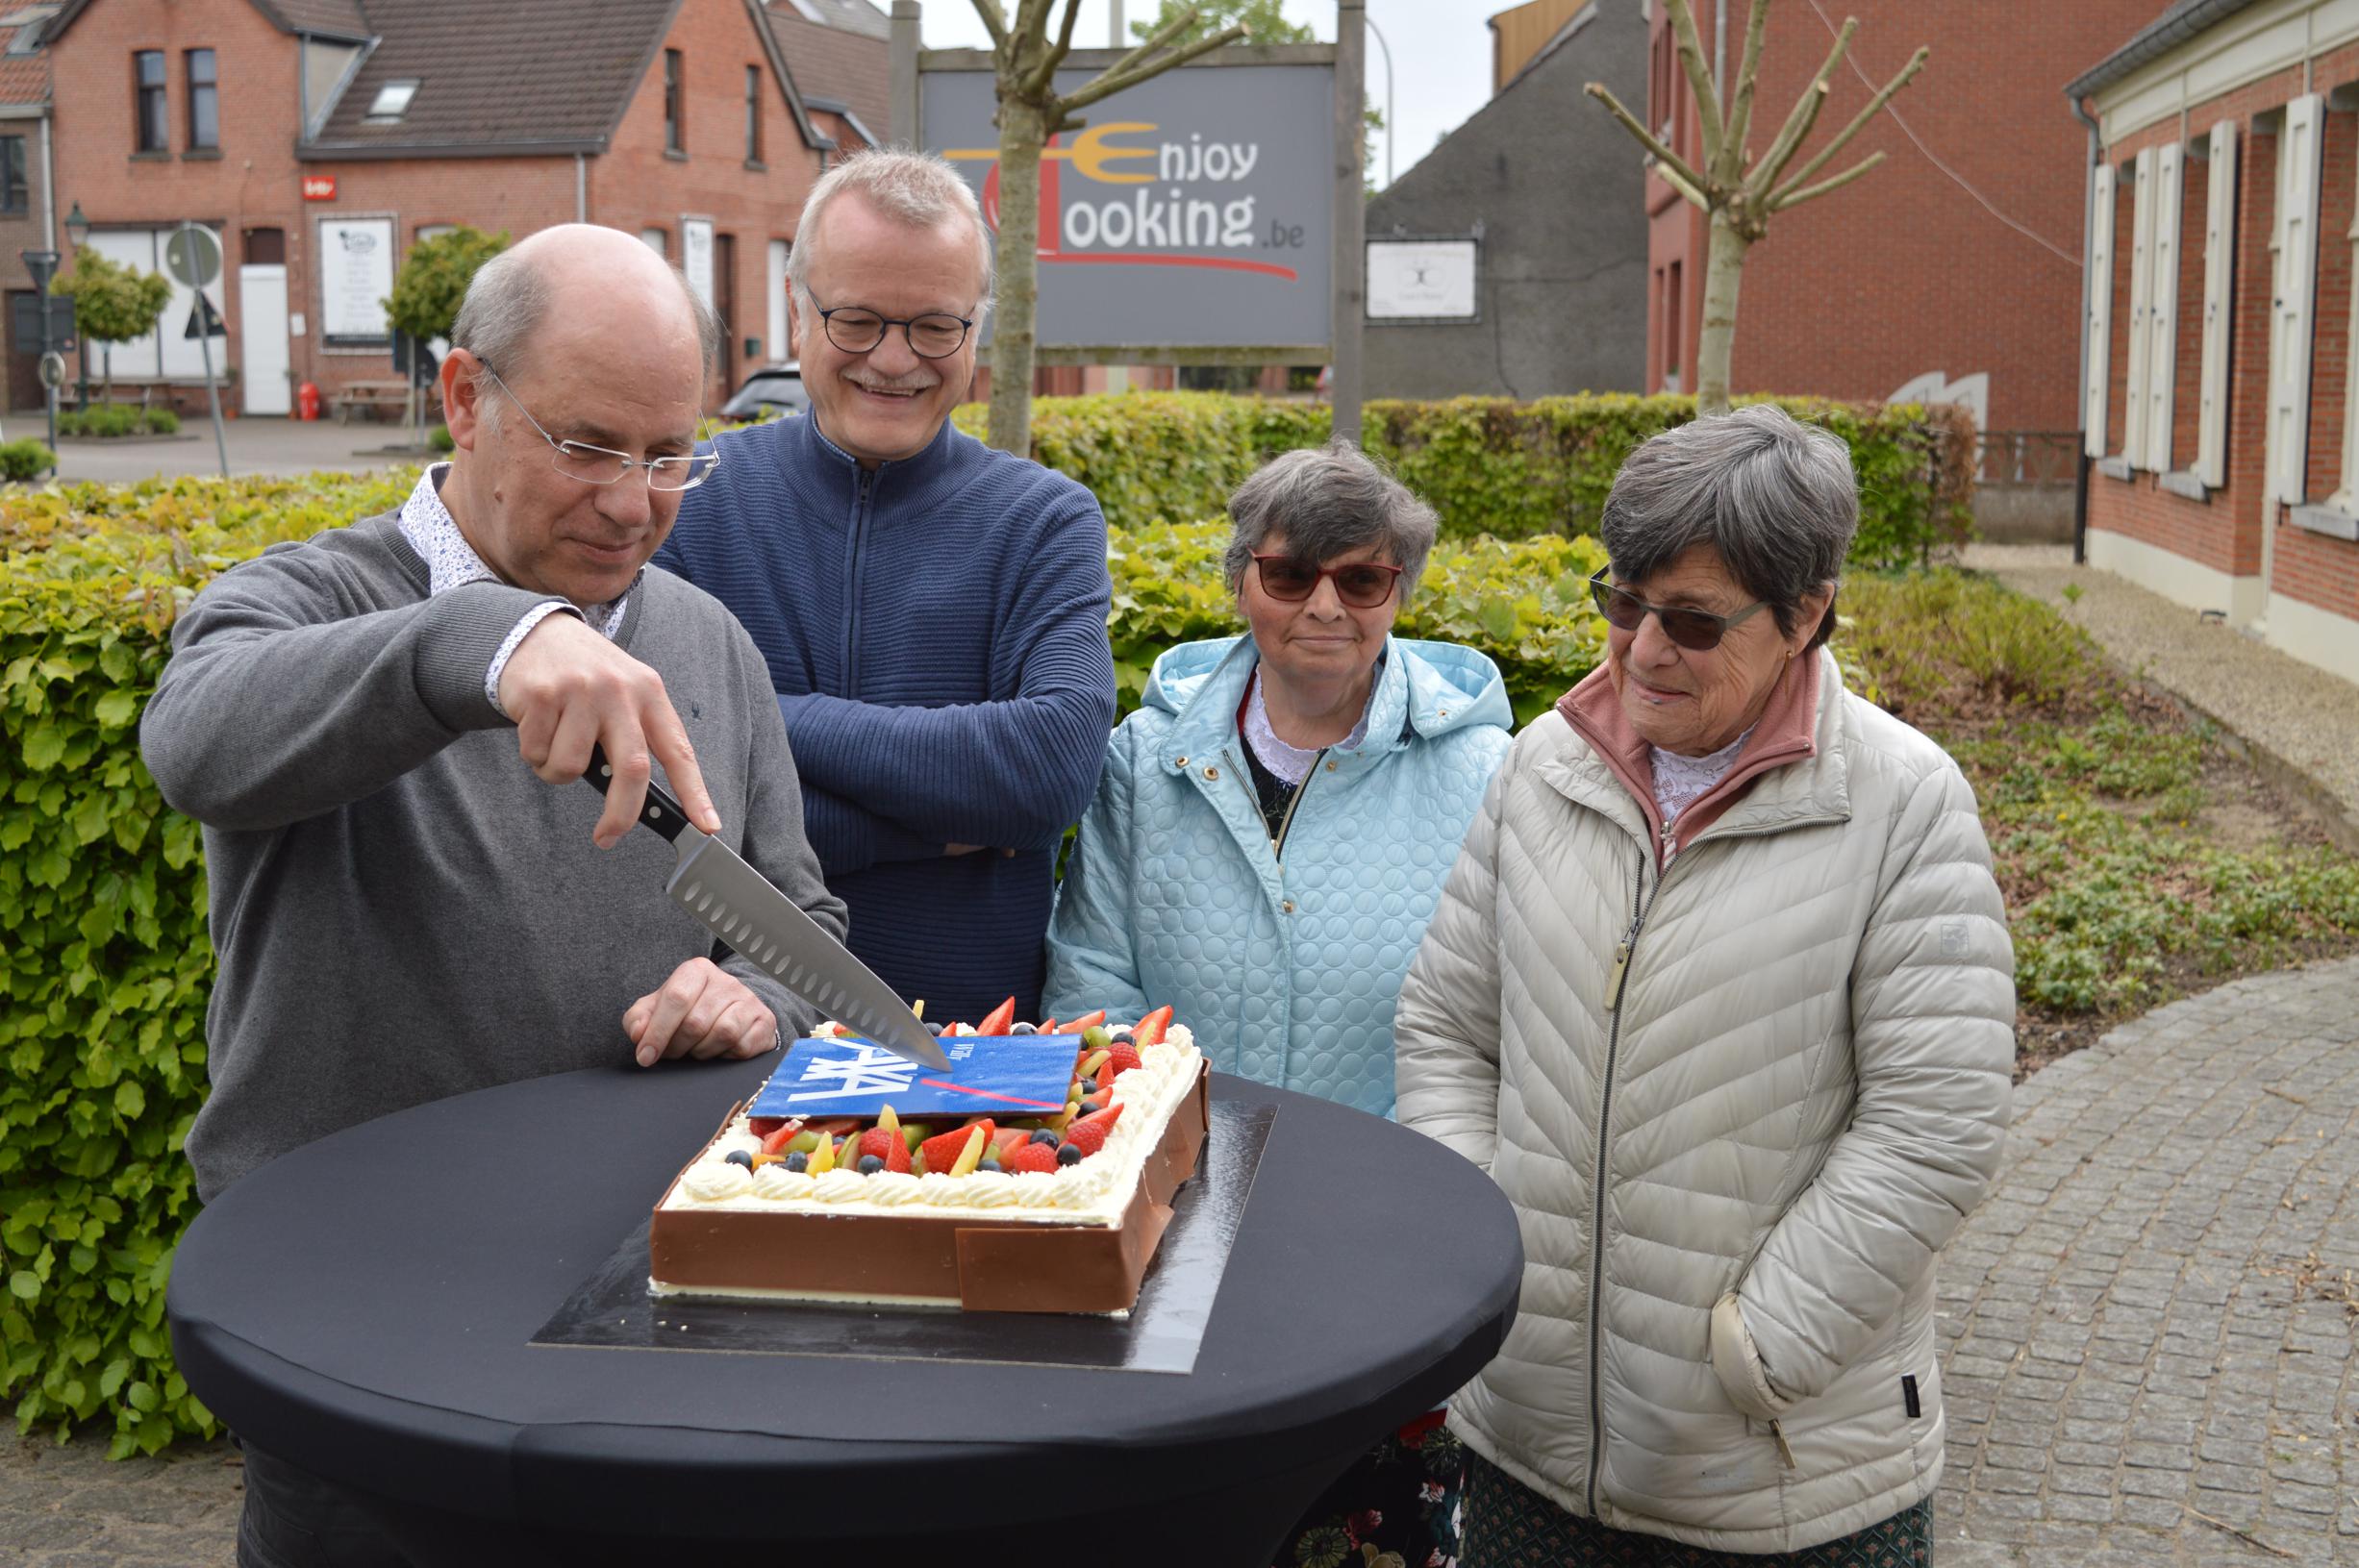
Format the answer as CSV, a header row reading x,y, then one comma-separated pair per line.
x,y
996,1075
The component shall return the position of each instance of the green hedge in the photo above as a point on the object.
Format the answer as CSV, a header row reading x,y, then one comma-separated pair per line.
x,y
1487,465
105,967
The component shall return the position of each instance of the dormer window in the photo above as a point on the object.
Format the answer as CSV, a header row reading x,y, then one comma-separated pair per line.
x,y
392,101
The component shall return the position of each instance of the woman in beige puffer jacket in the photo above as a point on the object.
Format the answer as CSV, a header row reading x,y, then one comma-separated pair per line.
x,y
1720,993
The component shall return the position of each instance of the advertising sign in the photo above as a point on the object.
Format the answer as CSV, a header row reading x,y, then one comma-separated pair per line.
x,y
1194,209
320,188
355,274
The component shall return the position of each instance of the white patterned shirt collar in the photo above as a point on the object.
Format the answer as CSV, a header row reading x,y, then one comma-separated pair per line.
x,y
1680,781
1291,762
450,561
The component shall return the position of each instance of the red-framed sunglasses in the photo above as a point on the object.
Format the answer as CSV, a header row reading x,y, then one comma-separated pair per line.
x,y
1362,585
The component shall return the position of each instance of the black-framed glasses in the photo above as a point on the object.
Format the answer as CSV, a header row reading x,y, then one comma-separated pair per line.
x,y
1698,630
1362,585
856,328
604,466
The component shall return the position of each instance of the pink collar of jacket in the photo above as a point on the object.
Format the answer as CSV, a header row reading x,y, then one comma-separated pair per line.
x,y
1787,732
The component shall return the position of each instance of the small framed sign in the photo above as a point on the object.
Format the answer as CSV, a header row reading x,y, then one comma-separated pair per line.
x,y
1426,279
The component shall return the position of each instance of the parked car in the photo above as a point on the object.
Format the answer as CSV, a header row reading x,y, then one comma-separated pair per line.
x,y
774,388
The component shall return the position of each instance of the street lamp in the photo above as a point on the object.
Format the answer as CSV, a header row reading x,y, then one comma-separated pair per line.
x,y
1378,35
77,236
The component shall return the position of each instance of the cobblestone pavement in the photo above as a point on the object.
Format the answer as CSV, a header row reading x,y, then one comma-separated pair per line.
x,y
2148,1325
2150,1322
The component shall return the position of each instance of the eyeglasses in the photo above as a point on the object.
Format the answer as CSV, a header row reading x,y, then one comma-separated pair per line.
x,y
934,335
603,465
1362,585
1698,630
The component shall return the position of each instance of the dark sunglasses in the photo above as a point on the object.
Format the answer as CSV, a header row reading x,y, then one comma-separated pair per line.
x,y
1362,585
1696,629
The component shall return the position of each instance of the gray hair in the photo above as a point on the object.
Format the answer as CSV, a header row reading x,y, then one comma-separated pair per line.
x,y
919,189
1776,498
509,299
1328,500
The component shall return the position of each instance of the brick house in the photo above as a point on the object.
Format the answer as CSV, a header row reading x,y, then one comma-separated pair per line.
x,y
28,217
318,139
1958,282
2221,171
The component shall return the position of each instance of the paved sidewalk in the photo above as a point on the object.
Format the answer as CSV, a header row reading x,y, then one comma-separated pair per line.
x,y
255,446
68,1507
2299,724
2150,1322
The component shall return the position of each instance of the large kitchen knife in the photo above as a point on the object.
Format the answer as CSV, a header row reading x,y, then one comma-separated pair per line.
x,y
737,904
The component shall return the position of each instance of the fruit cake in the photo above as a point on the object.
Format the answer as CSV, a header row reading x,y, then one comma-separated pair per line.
x,y
1057,1208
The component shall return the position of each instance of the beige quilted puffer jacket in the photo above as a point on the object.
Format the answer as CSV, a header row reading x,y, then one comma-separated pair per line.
x,y
1733,1177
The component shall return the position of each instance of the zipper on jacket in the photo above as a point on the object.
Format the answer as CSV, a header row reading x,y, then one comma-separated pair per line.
x,y
1785,1455
1641,905
851,571
1277,845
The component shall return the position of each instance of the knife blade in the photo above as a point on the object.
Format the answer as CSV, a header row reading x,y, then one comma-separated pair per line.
x,y
770,930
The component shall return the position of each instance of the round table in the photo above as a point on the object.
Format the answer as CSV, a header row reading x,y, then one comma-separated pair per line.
x,y
364,1305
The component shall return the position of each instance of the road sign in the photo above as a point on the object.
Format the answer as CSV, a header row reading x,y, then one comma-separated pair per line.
x,y
29,310
204,321
52,371
193,256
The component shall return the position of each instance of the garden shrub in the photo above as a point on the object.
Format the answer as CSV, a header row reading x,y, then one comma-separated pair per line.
x,y
21,461
110,419
162,421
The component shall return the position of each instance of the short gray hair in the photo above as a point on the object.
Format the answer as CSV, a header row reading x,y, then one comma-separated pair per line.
x,y
509,299
1328,500
1776,498
920,189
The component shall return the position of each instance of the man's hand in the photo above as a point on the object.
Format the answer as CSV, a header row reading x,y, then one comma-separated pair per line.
x,y
702,1012
568,688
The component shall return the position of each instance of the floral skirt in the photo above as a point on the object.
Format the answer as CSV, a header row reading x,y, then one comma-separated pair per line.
x,y
1395,1508
1508,1525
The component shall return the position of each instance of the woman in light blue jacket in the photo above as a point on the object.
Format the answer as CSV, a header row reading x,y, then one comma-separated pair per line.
x,y
1271,836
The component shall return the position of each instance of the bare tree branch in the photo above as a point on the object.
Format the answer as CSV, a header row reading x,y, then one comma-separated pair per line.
x,y
1790,196
1826,153
1805,115
1691,47
1748,76
1689,183
1043,78
995,22
1116,78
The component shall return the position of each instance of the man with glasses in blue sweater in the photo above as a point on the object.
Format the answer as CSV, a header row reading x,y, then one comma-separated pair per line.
x,y
932,611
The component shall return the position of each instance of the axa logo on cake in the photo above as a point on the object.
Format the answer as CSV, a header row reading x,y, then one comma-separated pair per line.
x,y
867,1070
1181,196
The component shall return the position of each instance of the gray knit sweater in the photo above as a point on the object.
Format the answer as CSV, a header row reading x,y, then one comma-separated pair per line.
x,y
401,911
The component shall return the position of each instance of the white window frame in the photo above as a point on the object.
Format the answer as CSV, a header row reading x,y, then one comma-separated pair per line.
x,y
2294,245
2219,308
2142,301
2163,308
2096,373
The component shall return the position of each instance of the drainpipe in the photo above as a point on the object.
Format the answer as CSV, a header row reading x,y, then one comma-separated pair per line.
x,y
2080,382
581,188
49,191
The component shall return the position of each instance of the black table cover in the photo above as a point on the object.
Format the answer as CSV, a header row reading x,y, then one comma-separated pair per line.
x,y
364,1306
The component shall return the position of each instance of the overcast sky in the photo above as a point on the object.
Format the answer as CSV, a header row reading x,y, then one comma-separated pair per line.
x,y
1440,57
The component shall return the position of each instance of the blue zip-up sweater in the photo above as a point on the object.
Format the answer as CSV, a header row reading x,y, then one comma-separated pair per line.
x,y
1286,961
936,631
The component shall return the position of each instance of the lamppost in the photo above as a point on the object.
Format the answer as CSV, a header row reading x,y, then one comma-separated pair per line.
x,y
77,236
1378,35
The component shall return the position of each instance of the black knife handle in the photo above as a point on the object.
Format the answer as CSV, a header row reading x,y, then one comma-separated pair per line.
x,y
661,811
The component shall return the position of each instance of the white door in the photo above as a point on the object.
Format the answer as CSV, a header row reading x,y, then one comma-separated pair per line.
x,y
262,301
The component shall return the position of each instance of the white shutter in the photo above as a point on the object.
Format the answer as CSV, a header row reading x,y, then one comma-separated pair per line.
x,y
2141,305
2163,309
2296,242
2098,367
2219,308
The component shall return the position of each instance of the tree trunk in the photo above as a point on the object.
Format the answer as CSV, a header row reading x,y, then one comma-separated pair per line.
x,y
1716,344
106,359
1021,137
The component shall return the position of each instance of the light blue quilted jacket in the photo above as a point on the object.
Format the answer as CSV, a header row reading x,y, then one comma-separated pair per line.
x,y
1287,972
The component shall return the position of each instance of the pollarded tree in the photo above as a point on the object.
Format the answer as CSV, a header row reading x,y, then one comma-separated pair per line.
x,y
1740,201
113,303
1024,62
432,282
